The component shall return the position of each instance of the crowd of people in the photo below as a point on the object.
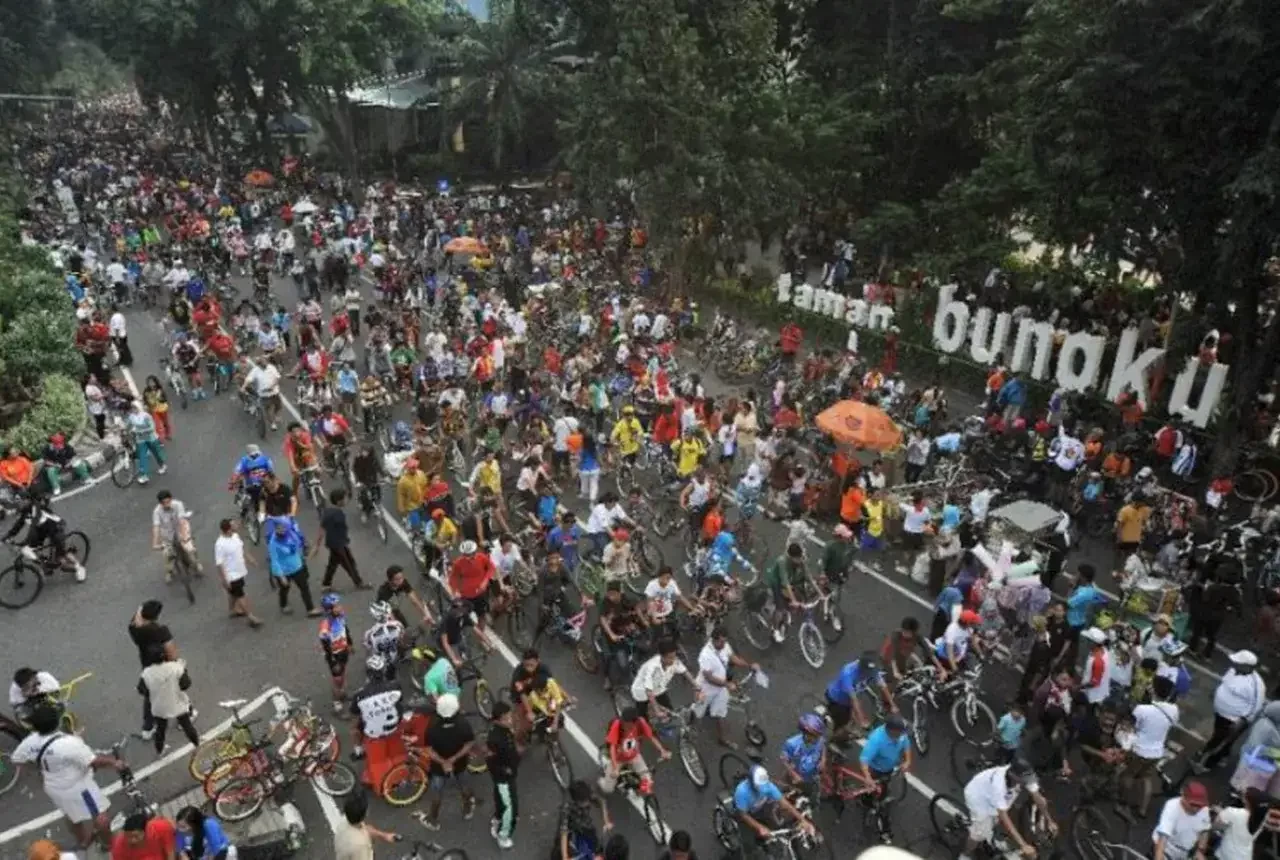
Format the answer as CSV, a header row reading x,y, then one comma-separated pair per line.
x,y
489,353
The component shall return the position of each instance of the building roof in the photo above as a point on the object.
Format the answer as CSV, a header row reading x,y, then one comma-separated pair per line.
x,y
401,92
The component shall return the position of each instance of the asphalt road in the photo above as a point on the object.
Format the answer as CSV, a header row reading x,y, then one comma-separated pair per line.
x,y
77,628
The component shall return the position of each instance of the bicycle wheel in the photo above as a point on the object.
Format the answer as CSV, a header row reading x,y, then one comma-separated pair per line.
x,y
920,725
1255,485
726,829
972,718
227,771
1091,831
122,466
333,778
756,629
316,492
20,585
240,800
561,768
653,819
950,821
584,654
9,740
518,626
209,754
252,527
968,758
650,556
78,543
812,646
483,698
404,784
732,769
380,523
691,760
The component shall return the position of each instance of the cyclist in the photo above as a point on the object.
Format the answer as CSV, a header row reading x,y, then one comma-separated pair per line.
x,y
441,533
378,707
718,558
335,639
842,693
368,471
186,354
628,435
442,678
623,739
386,634
251,470
900,646
950,651
169,525
887,750
30,688
334,432
545,697
606,516
782,576
299,453
654,677
473,578
990,794
661,596
756,799
616,557
837,556
45,527
264,382
804,755
486,477
374,400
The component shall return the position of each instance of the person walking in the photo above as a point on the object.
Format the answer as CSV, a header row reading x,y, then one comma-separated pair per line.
x,y
149,635
337,539
233,565
286,550
1238,701
353,837
146,440
96,402
167,681
120,338
503,762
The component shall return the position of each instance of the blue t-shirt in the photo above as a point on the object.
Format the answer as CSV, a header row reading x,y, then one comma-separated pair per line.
x,y
848,682
1010,729
214,840
547,506
882,753
566,542
254,469
1080,604
590,462
747,798
948,443
804,758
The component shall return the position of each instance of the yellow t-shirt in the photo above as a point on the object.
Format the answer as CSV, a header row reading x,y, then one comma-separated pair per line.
x,y
445,532
551,696
875,518
489,477
1130,523
688,454
410,491
627,434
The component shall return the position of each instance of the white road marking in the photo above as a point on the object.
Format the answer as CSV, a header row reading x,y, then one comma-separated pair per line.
x,y
145,771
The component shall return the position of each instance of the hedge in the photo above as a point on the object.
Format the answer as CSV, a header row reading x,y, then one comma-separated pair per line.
x,y
59,409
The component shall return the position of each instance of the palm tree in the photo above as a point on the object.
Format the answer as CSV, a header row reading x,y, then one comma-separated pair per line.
x,y
508,70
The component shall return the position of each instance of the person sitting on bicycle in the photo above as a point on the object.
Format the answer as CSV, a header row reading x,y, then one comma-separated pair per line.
x,y
887,751
555,596
616,557
186,354
222,349
374,398
842,694
386,635
334,432
46,527
990,794
299,452
661,597
473,578
718,558
368,470
900,646
747,493
251,470
622,739
452,633
335,639
628,435
441,678
30,688
783,576
950,651
545,698
837,556
804,755
757,800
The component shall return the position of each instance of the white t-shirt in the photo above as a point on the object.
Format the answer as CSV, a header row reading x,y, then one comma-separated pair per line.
x,y
504,562
118,326
264,380
988,793
528,479
662,599
228,554
727,435
654,678
1179,828
1151,724
713,664
563,429
699,494
914,521
67,761
604,518
45,684
1237,841
957,636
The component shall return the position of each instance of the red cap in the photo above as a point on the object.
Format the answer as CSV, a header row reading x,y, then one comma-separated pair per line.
x,y
1195,792
970,617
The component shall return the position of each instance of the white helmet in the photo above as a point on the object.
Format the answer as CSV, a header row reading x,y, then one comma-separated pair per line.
x,y
468,547
375,664
446,705
380,610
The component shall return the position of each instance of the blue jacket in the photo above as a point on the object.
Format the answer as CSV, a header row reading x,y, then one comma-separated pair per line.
x,y
286,551
1012,393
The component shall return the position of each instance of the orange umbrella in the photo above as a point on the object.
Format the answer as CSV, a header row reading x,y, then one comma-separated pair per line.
x,y
861,425
466,245
259,178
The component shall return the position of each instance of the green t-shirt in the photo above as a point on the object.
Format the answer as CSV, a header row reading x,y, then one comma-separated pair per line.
x,y
780,570
441,678
836,557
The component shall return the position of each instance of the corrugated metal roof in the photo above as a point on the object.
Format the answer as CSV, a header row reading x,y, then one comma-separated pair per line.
x,y
398,93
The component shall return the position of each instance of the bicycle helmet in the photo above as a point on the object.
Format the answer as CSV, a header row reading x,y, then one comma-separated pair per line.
x,y
468,547
375,664
1022,770
869,662
1173,648
330,600
459,606
812,724
380,610
895,723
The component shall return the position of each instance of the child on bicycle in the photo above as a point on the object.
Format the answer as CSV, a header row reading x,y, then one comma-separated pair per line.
x,y
30,688
623,739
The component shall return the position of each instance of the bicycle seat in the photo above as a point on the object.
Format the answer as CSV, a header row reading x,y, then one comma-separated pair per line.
x,y
233,704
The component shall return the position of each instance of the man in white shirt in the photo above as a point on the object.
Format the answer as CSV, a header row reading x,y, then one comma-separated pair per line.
x,y
561,430
1183,828
120,337
606,515
1096,679
640,323
715,662
1151,725
66,765
264,381
233,565
654,677
1239,699
658,331
177,277
990,795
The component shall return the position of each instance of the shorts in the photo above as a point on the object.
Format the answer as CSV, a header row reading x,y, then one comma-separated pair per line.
x,y
337,663
870,541
982,829
664,700
479,604
726,458
840,715
80,803
795,504
913,541
631,458
1127,548
461,777
236,588
414,519
714,703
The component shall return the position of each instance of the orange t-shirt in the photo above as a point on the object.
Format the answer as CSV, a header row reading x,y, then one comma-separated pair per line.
x,y
712,523
851,504
575,442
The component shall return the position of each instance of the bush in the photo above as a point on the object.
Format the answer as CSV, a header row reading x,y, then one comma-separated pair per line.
x,y
59,409
40,342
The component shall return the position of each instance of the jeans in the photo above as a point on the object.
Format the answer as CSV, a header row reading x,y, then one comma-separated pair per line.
x,y
146,449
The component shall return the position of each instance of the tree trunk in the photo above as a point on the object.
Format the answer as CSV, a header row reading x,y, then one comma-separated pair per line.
x,y
1247,377
332,110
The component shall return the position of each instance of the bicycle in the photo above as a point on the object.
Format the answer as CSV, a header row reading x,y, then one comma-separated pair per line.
x,y
256,410
312,485
183,565
413,774
243,796
129,786
472,669
640,790
783,843
176,378
370,501
547,727
248,515
23,580
122,462
951,822
1093,836
68,722
302,727
340,465
967,709
678,725
11,734
421,850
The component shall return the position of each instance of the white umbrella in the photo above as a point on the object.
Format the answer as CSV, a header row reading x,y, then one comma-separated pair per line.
x,y
304,207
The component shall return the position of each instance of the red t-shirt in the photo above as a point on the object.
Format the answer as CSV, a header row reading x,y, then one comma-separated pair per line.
x,y
471,574
625,742
159,839
790,338
666,429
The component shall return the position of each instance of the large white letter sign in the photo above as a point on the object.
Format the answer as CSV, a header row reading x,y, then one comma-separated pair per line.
x,y
1131,373
880,316
984,349
784,287
851,343
828,304
1041,335
950,337
803,298
856,312
1200,414
1087,346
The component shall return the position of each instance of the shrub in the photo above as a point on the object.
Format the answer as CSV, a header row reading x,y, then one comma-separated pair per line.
x,y
59,409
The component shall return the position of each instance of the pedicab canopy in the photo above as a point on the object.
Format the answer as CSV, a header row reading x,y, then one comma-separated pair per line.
x,y
860,425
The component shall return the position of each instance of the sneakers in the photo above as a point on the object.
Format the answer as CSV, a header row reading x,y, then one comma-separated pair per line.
x,y
779,636
147,734
468,808
28,553
505,843
143,480
494,824
161,469
81,575
57,491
